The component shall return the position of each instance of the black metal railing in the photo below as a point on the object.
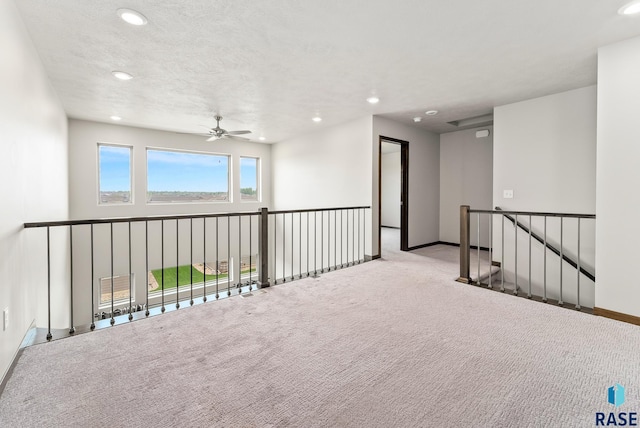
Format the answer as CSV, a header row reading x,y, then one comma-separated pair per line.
x,y
554,243
189,259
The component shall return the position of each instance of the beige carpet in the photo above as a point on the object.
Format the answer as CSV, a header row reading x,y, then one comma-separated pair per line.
x,y
394,342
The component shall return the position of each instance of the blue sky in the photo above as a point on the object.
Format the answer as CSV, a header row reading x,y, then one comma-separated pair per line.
x,y
186,172
248,172
115,169
173,171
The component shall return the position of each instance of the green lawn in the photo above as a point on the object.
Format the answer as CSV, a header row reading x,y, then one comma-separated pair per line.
x,y
184,276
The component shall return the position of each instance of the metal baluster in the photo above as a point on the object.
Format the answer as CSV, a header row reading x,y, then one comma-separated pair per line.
x,y
502,259
322,242
515,231
275,249
250,250
315,244
191,260
364,238
530,227
353,237
284,252
177,264
560,302
578,279
292,248
93,284
239,285
490,249
204,258
228,256
72,329
335,240
300,244
359,214
217,263
130,278
329,241
478,279
146,251
347,247
49,335
112,310
341,239
544,268
308,270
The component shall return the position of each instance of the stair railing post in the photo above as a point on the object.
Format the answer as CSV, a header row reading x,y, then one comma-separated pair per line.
x,y
264,248
465,250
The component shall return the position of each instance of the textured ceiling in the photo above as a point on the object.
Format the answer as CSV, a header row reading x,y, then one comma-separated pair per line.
x,y
270,66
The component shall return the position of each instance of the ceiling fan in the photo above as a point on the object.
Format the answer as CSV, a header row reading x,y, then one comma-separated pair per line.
x,y
217,132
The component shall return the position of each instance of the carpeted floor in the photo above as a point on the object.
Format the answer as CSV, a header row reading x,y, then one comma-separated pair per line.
x,y
390,343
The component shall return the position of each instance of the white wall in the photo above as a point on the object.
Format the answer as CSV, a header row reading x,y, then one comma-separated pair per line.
x,y
424,179
325,169
466,178
83,174
33,170
391,183
544,150
618,180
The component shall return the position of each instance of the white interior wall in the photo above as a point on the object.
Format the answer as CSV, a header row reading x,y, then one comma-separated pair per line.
x,y
326,169
424,179
391,183
466,178
618,179
33,170
544,150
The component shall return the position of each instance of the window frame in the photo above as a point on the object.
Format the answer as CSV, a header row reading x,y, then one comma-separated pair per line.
x,y
117,303
258,197
131,172
195,152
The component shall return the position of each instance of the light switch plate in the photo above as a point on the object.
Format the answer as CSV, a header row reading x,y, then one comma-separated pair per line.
x,y
507,194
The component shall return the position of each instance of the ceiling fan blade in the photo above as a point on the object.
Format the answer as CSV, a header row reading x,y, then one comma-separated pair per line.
x,y
238,132
233,137
212,138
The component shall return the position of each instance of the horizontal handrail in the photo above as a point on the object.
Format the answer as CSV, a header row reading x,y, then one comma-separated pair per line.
x,y
173,217
318,209
532,213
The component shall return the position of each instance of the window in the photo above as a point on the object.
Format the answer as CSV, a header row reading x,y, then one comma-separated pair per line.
x,y
249,179
114,171
120,291
174,176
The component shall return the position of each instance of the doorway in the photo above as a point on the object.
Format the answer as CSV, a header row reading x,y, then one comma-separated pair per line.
x,y
393,193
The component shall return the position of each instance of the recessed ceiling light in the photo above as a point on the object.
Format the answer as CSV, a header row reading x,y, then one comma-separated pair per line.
x,y
431,112
417,119
630,8
116,118
261,138
317,119
132,17
122,75
373,100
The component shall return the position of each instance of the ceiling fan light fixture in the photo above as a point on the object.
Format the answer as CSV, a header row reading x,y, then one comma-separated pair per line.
x,y
431,112
132,17
122,75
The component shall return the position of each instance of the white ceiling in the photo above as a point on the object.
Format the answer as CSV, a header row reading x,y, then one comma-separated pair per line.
x,y
270,66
